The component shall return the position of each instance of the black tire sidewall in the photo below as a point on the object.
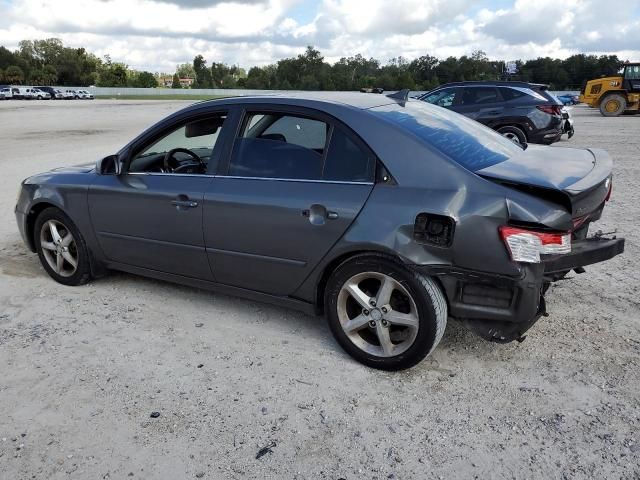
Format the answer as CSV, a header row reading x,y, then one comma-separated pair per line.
x,y
82,274
515,130
408,279
621,100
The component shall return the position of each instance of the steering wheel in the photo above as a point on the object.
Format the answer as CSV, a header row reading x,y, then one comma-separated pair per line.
x,y
172,165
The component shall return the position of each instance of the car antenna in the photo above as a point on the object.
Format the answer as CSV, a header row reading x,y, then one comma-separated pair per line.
x,y
402,96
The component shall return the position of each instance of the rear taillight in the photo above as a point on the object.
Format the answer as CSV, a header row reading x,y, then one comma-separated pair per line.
x,y
527,245
608,197
551,109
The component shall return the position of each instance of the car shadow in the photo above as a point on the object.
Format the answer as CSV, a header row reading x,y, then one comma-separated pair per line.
x,y
16,261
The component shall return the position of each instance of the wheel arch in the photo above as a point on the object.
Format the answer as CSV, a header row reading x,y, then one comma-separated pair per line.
x,y
34,211
332,265
519,126
605,94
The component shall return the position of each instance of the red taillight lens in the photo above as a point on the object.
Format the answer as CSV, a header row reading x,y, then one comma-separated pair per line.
x,y
527,245
551,109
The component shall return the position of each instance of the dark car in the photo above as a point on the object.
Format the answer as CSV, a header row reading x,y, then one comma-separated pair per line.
x,y
55,93
522,112
389,215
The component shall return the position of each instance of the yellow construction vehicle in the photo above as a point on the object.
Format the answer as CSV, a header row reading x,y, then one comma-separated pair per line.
x,y
614,95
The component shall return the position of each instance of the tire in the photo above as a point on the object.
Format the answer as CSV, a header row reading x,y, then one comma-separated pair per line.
x,y
411,319
613,105
49,250
515,134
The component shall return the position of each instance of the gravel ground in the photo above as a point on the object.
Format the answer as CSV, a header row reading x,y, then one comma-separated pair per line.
x,y
82,369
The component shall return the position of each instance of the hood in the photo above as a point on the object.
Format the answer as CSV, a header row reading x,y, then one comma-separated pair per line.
x,y
84,168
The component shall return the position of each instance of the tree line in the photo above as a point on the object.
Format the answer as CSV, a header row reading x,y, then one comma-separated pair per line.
x,y
49,62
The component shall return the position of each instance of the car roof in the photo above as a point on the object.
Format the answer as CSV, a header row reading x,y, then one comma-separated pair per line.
x,y
356,100
495,83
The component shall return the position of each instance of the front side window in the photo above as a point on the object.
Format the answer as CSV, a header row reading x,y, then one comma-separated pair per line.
x,y
276,145
186,149
442,98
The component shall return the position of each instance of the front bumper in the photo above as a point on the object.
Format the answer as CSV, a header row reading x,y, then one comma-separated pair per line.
x,y
21,220
501,308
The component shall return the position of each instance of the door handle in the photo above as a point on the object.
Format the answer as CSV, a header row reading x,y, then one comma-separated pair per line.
x,y
184,203
317,214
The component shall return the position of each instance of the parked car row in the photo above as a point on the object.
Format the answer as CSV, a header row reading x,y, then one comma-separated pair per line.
x,y
8,92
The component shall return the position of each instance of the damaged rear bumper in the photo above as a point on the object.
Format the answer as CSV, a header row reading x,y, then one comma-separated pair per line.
x,y
501,308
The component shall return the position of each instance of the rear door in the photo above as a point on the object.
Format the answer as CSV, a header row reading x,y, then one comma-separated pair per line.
x,y
294,183
483,104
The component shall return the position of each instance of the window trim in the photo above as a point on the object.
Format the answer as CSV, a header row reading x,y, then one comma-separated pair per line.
x,y
303,112
154,134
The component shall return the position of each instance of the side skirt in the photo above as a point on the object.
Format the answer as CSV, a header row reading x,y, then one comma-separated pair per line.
x,y
287,302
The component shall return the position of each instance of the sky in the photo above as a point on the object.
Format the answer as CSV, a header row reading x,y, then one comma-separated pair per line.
x,y
156,35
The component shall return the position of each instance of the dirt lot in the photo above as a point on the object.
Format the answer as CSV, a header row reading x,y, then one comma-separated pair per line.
x,y
81,369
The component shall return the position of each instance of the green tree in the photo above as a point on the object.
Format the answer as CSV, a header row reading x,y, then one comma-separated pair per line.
x,y
112,74
176,81
14,74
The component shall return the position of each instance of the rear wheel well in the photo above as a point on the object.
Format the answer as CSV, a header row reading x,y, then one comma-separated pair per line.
x,y
31,221
331,267
336,262
513,125
606,93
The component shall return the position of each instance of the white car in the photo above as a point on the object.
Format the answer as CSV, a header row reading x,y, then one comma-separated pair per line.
x,y
40,94
84,94
69,94
5,93
23,93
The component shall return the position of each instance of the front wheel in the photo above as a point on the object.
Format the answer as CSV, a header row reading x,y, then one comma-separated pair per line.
x,y
384,314
61,248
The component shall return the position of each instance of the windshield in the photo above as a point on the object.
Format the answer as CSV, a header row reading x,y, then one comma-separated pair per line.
x,y
465,141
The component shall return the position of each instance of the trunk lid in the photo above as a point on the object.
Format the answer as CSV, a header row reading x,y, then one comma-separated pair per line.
x,y
580,179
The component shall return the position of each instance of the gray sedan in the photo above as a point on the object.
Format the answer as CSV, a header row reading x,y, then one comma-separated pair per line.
x,y
387,215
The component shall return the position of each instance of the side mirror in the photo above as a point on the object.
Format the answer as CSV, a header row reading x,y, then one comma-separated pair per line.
x,y
109,165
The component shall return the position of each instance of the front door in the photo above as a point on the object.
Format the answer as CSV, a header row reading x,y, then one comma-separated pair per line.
x,y
151,215
294,185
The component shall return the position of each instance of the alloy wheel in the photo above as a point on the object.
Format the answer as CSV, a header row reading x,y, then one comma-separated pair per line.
x,y
513,137
378,314
59,248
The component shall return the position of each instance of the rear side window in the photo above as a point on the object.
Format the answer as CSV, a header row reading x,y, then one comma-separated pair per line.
x,y
463,140
275,145
286,146
479,95
346,161
509,93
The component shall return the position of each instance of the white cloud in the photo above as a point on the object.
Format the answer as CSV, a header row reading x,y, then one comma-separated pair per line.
x,y
158,34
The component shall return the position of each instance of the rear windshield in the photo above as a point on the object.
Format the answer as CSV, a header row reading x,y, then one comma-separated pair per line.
x,y
465,141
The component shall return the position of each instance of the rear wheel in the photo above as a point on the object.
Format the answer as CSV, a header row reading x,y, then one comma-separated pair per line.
x,y
61,248
613,105
383,314
515,134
